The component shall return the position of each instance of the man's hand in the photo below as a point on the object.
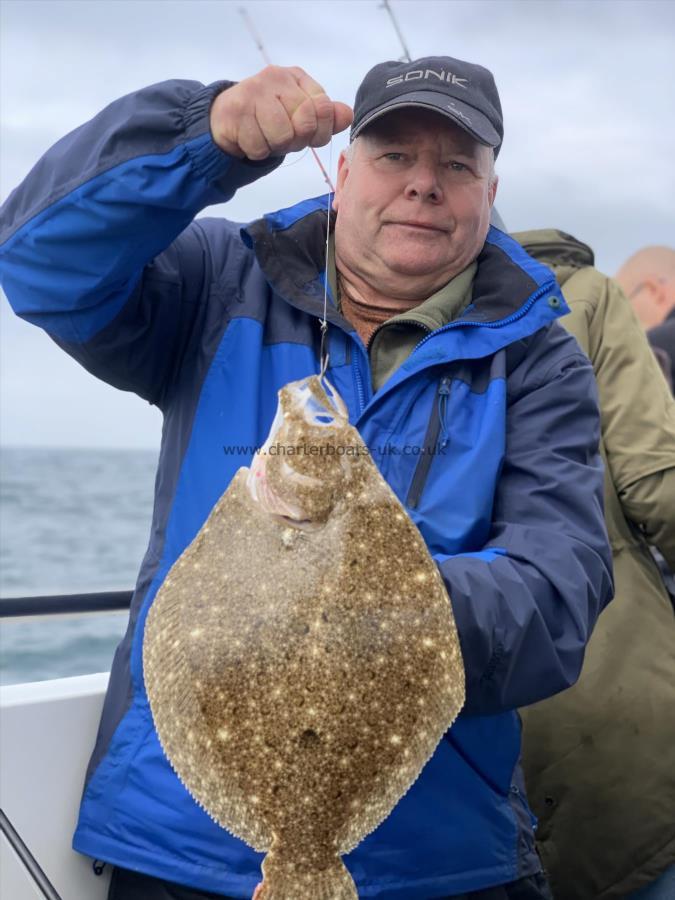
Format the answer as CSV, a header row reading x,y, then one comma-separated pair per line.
x,y
275,112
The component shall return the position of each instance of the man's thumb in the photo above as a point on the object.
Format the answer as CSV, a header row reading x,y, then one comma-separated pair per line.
x,y
342,116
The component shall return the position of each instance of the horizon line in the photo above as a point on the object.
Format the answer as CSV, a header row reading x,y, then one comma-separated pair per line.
x,y
108,447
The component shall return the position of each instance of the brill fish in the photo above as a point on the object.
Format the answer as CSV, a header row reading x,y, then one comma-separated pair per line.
x,y
301,657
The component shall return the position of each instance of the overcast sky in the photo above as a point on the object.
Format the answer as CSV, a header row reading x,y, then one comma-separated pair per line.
x,y
586,87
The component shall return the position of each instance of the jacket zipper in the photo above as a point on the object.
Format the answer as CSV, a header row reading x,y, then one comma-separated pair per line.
x,y
430,442
359,387
433,428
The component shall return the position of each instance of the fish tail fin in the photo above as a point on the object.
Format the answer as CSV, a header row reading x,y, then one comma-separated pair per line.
x,y
284,880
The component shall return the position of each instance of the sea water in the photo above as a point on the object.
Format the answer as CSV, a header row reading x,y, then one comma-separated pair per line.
x,y
71,521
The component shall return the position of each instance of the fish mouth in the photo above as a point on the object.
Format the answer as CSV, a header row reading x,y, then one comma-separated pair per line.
x,y
300,524
316,400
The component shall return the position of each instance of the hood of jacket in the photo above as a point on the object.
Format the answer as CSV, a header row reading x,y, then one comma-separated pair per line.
x,y
557,249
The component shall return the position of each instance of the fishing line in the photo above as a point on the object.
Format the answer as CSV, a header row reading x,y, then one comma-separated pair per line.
x,y
323,355
295,161
265,55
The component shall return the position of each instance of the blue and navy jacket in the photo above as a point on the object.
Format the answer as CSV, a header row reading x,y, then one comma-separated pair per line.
x,y
207,320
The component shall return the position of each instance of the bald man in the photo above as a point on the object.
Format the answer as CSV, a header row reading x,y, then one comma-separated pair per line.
x,y
648,279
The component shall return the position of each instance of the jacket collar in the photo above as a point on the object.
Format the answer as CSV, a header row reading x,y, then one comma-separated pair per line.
x,y
555,247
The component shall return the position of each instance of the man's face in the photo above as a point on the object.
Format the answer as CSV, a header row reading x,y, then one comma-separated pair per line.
x,y
413,202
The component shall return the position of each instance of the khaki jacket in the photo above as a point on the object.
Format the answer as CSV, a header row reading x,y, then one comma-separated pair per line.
x,y
600,757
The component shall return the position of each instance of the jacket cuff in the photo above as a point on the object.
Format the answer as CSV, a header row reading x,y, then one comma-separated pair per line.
x,y
207,157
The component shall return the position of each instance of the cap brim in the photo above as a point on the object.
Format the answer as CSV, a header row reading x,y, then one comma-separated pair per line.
x,y
467,117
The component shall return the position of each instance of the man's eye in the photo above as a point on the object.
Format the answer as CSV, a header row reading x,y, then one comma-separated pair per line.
x,y
394,157
457,166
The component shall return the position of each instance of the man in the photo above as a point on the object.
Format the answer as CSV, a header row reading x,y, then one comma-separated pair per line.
x,y
648,278
598,757
208,321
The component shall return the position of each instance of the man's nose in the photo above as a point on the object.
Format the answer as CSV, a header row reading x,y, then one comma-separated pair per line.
x,y
424,183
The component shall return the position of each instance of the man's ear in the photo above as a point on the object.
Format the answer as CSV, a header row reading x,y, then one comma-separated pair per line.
x,y
661,294
342,173
656,288
492,190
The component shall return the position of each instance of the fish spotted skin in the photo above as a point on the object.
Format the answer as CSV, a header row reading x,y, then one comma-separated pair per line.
x,y
300,678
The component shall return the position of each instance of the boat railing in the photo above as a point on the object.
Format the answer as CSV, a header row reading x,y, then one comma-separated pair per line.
x,y
65,604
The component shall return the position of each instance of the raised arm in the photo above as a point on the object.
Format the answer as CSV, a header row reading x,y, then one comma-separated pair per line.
x,y
90,240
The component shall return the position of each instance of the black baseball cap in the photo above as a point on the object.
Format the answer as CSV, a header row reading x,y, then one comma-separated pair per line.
x,y
462,91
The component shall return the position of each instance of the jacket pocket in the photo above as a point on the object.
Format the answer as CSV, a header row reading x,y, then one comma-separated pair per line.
x,y
435,426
